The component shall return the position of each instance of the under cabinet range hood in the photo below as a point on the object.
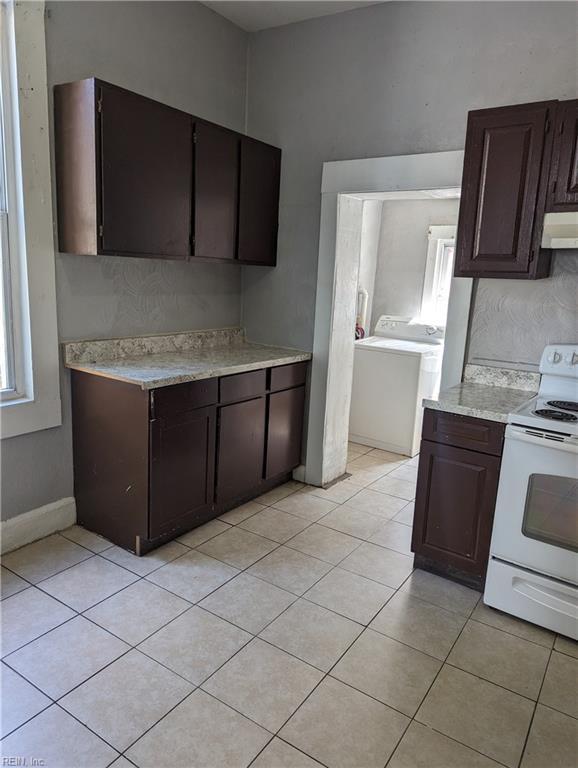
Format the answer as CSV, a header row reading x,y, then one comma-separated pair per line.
x,y
560,230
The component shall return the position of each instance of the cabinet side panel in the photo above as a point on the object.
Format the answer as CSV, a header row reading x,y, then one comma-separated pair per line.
x,y
110,427
75,148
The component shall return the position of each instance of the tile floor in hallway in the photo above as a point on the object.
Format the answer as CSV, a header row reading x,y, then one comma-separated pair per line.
x,y
289,633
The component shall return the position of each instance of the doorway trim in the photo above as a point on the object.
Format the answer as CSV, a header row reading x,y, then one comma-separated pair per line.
x,y
332,365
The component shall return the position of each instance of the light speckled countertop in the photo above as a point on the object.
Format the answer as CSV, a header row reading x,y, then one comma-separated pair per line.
x,y
482,401
162,369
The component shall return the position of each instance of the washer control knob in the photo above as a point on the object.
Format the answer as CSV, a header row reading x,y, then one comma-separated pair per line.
x,y
554,357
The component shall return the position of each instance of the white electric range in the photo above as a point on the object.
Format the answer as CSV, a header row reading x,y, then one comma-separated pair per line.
x,y
533,567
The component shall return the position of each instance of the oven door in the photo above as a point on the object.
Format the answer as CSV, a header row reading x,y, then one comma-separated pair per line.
x,y
536,519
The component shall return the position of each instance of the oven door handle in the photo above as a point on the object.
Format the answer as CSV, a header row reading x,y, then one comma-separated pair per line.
x,y
561,602
536,437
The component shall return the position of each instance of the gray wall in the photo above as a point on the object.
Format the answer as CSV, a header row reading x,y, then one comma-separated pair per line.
x,y
402,253
385,80
188,57
513,320
391,79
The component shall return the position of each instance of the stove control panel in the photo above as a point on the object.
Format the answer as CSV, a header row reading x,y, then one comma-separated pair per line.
x,y
560,360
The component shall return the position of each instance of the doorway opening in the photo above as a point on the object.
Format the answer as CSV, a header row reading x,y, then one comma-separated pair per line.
x,y
406,254
354,194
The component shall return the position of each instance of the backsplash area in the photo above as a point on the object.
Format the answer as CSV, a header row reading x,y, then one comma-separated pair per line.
x,y
502,377
513,320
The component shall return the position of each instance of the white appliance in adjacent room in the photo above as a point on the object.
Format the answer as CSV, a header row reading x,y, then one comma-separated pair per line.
x,y
533,567
392,372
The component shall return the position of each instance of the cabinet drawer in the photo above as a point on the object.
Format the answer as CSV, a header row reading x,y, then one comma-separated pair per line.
x,y
286,376
183,397
463,431
241,386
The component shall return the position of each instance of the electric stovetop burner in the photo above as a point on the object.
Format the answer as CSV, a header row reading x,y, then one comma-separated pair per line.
x,y
565,405
548,413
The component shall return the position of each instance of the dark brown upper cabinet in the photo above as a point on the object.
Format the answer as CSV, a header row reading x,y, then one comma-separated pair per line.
x,y
216,191
504,186
124,172
563,187
260,174
137,178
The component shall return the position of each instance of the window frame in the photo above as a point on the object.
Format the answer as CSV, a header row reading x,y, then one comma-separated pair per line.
x,y
33,402
439,238
14,283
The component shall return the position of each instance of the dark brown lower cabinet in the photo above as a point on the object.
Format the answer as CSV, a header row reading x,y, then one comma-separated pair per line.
x,y
150,465
456,496
284,431
110,432
241,448
182,461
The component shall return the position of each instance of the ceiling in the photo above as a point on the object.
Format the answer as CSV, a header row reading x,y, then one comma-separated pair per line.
x,y
262,14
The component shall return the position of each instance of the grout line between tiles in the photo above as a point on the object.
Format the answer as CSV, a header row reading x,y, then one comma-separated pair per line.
x,y
52,575
253,636
535,706
276,736
487,680
512,634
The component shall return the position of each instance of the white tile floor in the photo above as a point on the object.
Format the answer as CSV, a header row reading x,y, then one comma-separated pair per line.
x,y
290,633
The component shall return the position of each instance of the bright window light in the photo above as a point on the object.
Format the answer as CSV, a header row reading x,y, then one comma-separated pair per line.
x,y
438,276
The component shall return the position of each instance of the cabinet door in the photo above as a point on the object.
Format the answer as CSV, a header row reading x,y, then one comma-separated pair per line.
x,y
563,189
504,185
182,457
284,431
454,506
145,176
216,191
241,448
258,202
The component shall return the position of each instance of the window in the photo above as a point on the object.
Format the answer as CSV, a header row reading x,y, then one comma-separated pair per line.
x,y
438,275
29,367
10,203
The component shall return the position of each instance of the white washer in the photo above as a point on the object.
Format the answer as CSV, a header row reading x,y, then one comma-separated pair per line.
x,y
392,372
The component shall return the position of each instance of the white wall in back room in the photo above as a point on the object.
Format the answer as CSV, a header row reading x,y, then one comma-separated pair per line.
x,y
402,253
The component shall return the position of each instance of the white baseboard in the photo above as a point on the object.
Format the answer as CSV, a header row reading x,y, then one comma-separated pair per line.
x,y
404,450
299,473
37,523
